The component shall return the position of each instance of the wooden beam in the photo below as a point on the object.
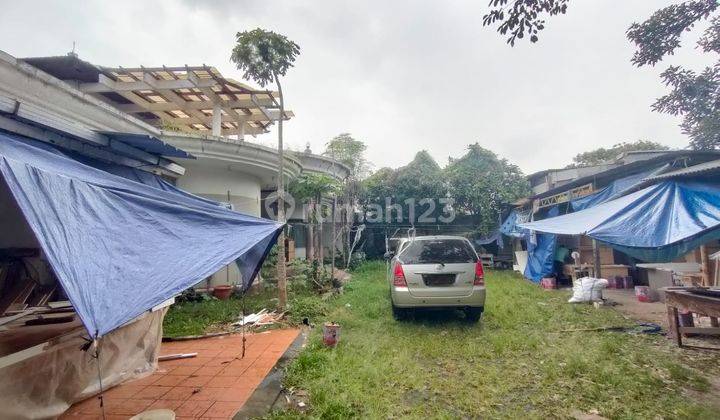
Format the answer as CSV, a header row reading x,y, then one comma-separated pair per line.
x,y
207,119
106,84
215,98
188,105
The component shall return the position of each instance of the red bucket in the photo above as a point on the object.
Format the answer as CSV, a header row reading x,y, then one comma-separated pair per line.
x,y
331,334
548,283
643,294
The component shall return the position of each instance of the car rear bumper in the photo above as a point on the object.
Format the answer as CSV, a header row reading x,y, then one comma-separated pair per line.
x,y
402,298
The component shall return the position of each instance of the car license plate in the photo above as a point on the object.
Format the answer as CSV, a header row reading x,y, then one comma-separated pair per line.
x,y
438,279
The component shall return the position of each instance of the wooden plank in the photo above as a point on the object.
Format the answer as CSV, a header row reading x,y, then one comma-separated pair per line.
x,y
673,323
176,356
50,320
700,304
8,319
699,330
60,304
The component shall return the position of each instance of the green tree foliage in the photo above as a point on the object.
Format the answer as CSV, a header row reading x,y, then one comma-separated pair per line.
x,y
263,55
693,95
421,178
379,185
311,185
522,17
601,155
346,149
480,182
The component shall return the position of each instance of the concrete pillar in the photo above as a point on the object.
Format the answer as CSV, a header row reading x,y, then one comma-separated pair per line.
x,y
216,121
241,132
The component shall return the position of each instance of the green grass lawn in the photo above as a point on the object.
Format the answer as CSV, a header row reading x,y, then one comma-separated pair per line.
x,y
514,363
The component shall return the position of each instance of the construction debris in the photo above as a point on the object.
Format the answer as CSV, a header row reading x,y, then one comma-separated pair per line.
x,y
176,356
196,337
260,318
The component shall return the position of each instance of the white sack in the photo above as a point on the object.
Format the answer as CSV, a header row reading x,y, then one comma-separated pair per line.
x,y
588,289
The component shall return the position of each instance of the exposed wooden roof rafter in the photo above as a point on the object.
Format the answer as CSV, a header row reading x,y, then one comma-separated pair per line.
x,y
189,98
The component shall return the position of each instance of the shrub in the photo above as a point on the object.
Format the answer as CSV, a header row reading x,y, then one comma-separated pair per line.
x,y
310,307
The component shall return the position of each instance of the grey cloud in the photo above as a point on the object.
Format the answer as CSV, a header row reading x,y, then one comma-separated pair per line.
x,y
401,75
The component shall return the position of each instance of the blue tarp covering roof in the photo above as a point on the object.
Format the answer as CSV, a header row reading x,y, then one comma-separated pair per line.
x,y
615,189
149,144
119,247
140,176
656,223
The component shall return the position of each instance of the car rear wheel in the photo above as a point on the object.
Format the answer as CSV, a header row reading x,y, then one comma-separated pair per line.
x,y
473,314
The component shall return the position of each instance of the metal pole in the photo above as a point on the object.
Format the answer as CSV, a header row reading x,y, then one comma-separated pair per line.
x,y
596,256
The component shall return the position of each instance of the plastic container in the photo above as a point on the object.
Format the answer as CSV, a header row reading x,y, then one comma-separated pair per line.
x,y
643,294
222,291
331,334
548,283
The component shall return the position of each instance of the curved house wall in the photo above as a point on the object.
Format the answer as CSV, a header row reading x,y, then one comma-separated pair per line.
x,y
215,183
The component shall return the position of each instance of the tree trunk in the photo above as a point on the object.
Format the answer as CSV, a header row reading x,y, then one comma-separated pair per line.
x,y
281,275
332,236
321,251
310,239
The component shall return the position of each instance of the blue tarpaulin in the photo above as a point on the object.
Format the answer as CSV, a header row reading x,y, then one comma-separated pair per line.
x,y
140,176
657,223
120,247
510,226
541,252
615,189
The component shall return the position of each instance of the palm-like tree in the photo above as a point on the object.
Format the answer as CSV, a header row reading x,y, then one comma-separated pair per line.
x,y
264,56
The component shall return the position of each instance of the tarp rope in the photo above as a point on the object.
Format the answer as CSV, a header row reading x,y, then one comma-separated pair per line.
x,y
99,372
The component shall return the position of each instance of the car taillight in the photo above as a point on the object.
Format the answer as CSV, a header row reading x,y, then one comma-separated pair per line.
x,y
479,275
399,276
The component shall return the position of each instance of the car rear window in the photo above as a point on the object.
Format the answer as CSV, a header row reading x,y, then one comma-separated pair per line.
x,y
446,251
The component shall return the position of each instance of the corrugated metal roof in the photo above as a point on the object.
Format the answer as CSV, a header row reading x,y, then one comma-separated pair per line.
x,y
149,144
698,169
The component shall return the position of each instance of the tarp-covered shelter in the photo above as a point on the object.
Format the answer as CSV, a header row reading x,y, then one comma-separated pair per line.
x,y
120,241
120,247
656,223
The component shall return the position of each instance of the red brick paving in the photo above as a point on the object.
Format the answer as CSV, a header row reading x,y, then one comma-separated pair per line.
x,y
215,384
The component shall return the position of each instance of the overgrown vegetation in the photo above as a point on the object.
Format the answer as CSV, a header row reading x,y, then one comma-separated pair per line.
x,y
605,155
197,313
515,364
470,195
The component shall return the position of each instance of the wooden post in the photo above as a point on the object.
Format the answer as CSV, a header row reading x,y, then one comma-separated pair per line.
x,y
596,258
673,325
704,266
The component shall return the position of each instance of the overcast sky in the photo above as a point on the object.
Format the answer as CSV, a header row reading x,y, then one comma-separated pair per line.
x,y
400,75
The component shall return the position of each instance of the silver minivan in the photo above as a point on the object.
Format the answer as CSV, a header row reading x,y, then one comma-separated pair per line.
x,y
436,272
